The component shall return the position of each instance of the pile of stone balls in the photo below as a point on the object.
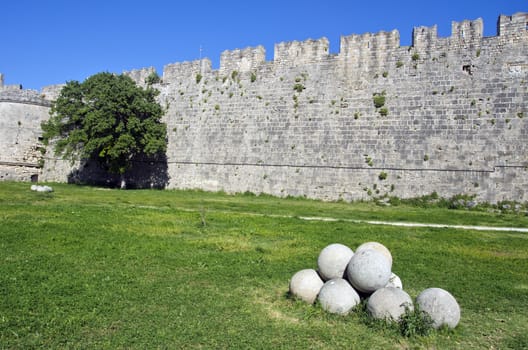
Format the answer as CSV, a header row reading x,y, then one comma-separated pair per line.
x,y
344,277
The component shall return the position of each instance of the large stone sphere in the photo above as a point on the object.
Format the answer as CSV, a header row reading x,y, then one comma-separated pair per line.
x,y
368,270
376,246
337,296
389,303
305,285
394,281
441,306
333,260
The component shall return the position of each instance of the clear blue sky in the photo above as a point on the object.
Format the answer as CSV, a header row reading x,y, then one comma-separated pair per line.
x,y
50,42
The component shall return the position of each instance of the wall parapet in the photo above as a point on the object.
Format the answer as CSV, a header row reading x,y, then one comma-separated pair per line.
x,y
358,49
301,52
512,25
141,75
242,60
185,70
361,48
15,94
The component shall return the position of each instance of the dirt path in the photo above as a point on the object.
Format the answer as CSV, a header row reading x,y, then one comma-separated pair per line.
x,y
415,224
370,222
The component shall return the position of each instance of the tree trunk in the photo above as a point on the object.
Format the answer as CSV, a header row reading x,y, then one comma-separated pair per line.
x,y
123,182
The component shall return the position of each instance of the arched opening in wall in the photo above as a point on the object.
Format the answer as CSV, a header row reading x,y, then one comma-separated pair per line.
x,y
467,68
34,178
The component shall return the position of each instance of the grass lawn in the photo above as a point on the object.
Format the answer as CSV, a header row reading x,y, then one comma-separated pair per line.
x,y
90,268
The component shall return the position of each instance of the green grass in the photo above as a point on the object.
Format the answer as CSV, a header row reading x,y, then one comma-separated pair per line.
x,y
90,268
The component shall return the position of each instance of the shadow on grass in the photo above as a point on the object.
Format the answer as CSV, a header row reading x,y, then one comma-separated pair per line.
x,y
145,172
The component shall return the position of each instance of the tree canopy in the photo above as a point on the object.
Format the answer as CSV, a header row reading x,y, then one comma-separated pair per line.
x,y
107,118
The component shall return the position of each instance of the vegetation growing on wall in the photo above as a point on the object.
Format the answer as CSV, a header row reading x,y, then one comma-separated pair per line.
x,y
379,99
153,78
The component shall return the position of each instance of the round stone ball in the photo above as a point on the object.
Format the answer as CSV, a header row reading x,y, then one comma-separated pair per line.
x,y
389,303
394,281
376,246
368,270
305,285
338,297
441,306
333,260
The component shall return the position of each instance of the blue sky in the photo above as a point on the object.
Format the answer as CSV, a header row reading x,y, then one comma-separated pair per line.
x,y
51,42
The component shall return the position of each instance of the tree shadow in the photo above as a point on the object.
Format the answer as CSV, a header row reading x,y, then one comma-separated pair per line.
x,y
145,172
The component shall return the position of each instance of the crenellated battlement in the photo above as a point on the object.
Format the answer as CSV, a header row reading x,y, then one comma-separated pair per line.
x,y
140,75
365,50
301,52
512,25
467,32
463,34
16,94
185,70
358,50
424,38
352,44
362,51
243,61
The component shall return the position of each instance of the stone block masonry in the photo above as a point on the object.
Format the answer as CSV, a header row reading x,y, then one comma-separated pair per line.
x,y
21,112
445,114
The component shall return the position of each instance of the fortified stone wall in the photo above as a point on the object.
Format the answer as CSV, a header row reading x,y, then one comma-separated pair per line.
x,y
445,114
21,112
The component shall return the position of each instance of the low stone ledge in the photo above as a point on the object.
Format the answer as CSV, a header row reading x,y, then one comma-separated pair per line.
x,y
20,164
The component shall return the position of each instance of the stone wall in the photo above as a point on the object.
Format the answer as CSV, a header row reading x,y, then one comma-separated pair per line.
x,y
140,76
21,112
454,117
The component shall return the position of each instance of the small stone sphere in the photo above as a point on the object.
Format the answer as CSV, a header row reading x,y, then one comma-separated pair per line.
x,y
368,270
333,260
394,281
389,303
376,246
441,306
338,297
305,285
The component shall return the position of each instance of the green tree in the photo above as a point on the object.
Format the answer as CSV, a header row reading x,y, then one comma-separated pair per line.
x,y
107,118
